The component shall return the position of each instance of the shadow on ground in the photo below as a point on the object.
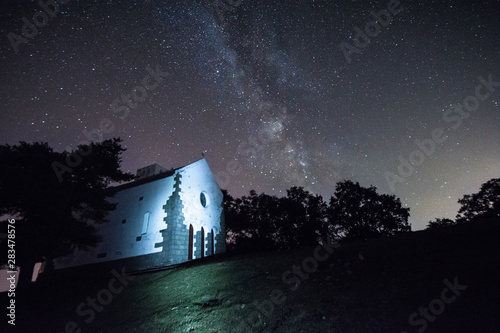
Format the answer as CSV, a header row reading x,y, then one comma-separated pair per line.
x,y
372,286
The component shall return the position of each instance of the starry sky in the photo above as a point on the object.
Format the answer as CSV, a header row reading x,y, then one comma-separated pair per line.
x,y
274,93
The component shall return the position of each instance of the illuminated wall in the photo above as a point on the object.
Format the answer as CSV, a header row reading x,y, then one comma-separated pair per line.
x,y
166,219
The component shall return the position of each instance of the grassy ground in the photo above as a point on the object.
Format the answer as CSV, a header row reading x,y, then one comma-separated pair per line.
x,y
372,286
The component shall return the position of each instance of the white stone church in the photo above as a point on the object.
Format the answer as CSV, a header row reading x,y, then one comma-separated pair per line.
x,y
163,217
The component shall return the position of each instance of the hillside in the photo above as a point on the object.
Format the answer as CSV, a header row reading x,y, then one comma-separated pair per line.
x,y
372,286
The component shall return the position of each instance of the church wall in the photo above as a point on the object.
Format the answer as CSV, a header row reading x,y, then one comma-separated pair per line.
x,y
140,224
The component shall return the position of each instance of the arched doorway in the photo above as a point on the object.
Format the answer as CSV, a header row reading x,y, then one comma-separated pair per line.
x,y
190,243
202,242
212,241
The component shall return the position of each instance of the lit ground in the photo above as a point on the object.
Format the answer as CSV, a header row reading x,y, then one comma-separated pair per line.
x,y
374,292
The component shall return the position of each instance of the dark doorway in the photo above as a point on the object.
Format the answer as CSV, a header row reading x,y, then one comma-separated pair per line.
x,y
202,242
190,243
212,241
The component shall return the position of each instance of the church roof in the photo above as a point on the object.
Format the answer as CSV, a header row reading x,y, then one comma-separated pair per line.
x,y
145,180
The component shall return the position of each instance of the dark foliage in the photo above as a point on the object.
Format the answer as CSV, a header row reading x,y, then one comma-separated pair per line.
x,y
362,213
265,222
54,216
485,203
440,223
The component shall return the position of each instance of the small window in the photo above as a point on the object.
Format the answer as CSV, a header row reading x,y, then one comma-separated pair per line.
x,y
101,255
145,223
124,221
204,199
140,199
138,238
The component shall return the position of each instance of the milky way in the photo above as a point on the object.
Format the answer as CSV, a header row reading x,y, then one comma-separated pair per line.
x,y
274,93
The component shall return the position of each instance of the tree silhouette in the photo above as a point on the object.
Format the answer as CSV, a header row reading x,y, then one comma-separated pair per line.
x,y
305,215
53,217
440,223
266,222
362,213
251,222
482,204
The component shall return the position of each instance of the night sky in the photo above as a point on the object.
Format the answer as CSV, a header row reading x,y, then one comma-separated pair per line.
x,y
274,93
